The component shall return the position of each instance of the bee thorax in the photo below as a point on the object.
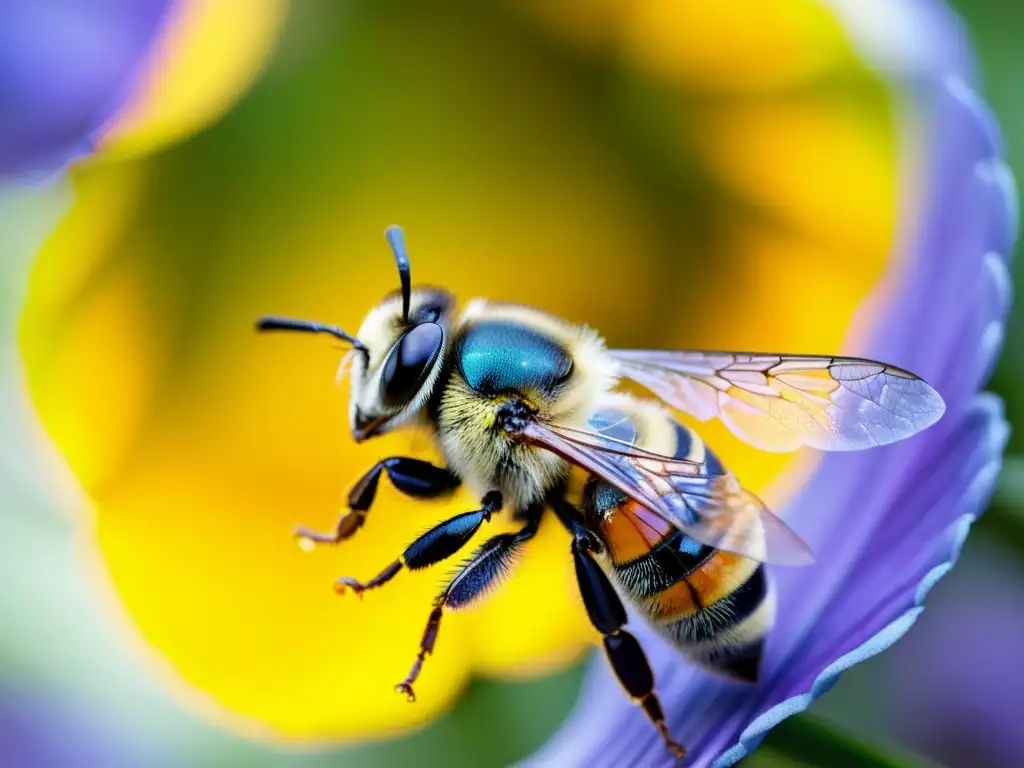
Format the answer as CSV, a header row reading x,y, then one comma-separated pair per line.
x,y
480,441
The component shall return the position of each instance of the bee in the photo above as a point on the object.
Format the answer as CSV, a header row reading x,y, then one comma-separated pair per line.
x,y
515,398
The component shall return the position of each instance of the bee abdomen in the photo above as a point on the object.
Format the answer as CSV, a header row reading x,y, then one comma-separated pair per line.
x,y
726,634
740,662
716,607
703,622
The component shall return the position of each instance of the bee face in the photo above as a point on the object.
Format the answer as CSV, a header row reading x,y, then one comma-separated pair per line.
x,y
393,375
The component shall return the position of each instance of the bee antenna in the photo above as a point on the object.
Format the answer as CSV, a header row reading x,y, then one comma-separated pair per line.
x,y
396,239
290,324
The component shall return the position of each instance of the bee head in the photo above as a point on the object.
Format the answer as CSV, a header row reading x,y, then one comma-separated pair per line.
x,y
397,354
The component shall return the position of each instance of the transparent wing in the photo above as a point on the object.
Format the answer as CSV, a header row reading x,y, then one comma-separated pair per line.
x,y
711,508
783,402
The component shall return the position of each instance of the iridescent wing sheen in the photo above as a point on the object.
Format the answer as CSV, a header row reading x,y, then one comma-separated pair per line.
x,y
783,402
711,508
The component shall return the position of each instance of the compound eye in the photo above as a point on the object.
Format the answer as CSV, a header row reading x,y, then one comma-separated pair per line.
x,y
409,363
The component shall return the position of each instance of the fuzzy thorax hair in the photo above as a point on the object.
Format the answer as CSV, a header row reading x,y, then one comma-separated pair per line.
x,y
486,458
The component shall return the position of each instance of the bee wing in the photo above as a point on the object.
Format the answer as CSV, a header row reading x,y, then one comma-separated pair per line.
x,y
711,508
783,402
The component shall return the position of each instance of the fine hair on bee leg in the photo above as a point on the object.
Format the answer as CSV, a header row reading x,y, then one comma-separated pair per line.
x,y
440,542
480,574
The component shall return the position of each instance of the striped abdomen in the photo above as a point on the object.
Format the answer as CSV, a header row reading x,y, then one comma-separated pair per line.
x,y
716,607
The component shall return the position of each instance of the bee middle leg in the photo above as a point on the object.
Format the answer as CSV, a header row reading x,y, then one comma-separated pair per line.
x,y
608,616
479,574
442,541
413,477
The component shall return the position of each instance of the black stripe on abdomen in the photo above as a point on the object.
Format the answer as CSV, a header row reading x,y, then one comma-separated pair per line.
x,y
723,614
671,561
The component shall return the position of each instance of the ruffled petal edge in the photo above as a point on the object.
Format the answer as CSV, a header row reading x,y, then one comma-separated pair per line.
x,y
973,501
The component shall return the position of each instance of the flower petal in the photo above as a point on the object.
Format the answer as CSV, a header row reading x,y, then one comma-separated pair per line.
x,y
910,36
207,54
809,160
907,506
879,609
49,731
874,614
82,75
708,46
65,67
975,630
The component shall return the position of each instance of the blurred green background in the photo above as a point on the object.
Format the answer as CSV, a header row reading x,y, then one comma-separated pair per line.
x,y
494,722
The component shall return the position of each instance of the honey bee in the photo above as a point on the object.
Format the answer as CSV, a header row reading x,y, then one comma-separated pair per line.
x,y
516,397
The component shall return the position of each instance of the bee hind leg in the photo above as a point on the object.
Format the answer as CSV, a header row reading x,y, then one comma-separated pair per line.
x,y
441,541
413,477
475,578
624,653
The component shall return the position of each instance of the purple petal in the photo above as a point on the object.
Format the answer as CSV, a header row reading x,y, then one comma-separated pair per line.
x,y
974,632
886,524
54,733
66,67
873,609
909,38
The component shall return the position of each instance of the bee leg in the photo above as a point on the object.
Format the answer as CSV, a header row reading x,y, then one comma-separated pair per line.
x,y
624,653
480,573
413,477
441,541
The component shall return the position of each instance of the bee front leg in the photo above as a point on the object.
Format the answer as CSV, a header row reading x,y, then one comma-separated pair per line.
x,y
483,571
608,616
441,541
413,477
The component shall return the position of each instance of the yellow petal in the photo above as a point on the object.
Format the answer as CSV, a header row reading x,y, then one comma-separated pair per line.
x,y
203,564
85,317
716,45
823,162
207,54
705,45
